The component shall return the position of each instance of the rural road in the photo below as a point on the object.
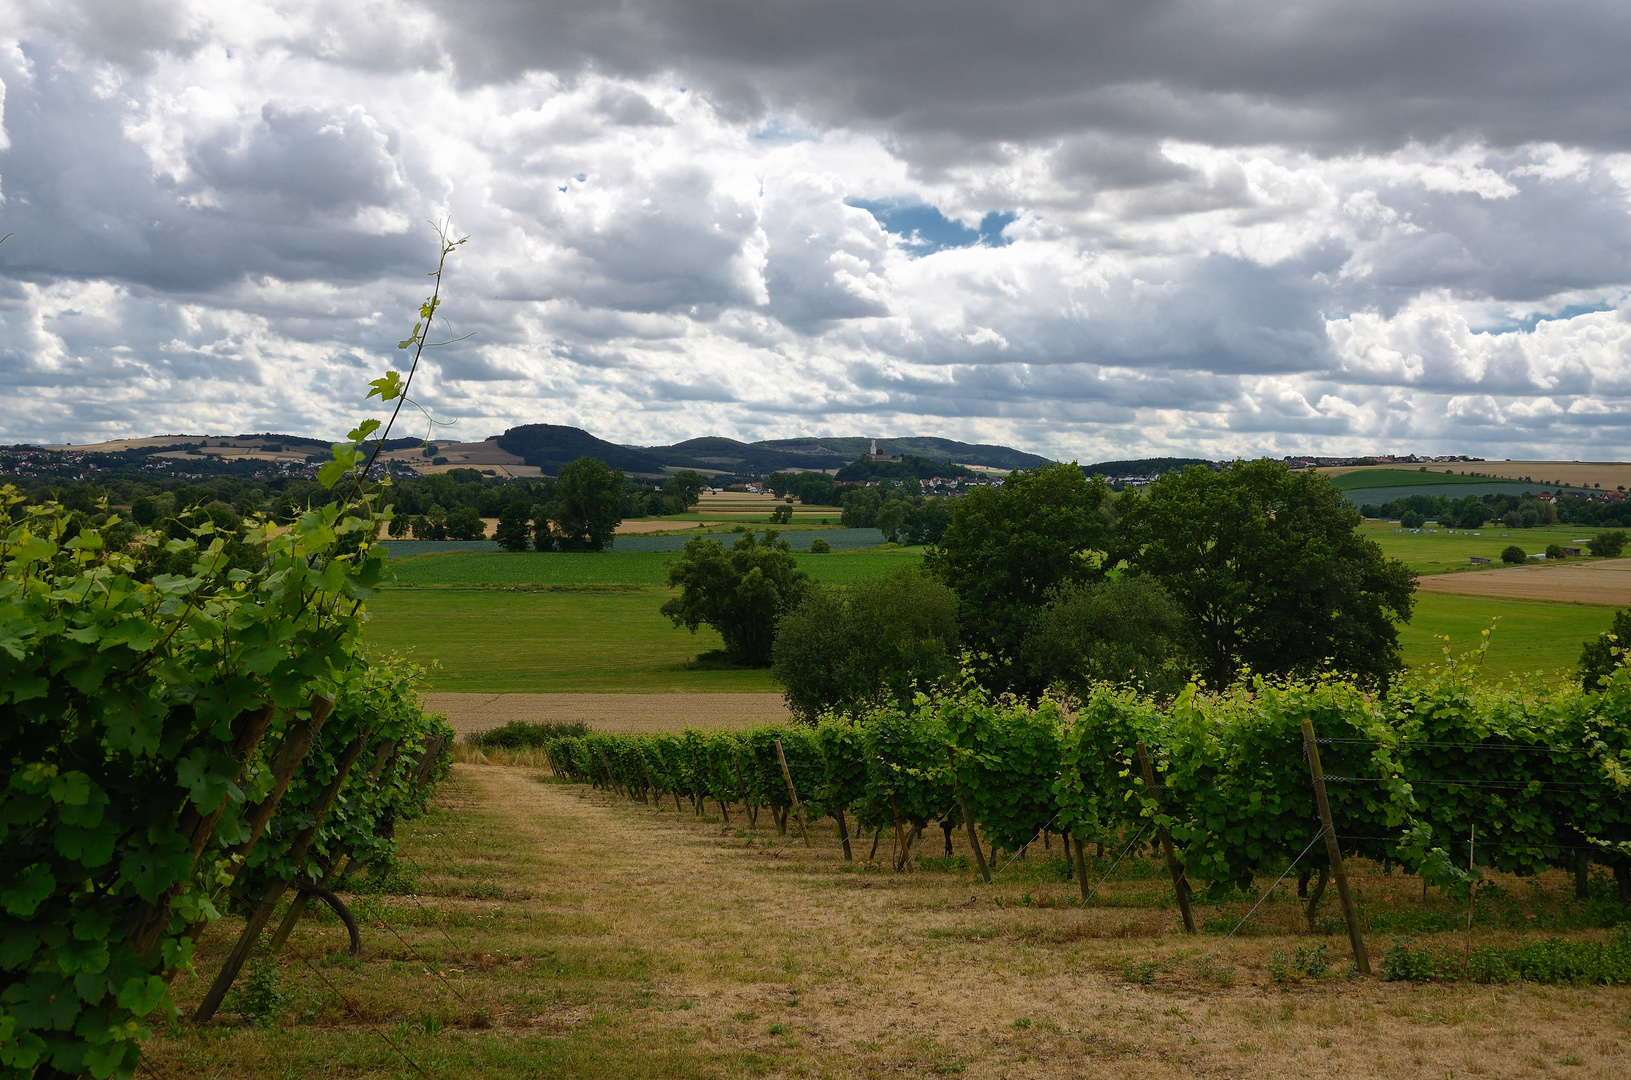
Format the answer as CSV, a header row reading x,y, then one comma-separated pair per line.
x,y
609,712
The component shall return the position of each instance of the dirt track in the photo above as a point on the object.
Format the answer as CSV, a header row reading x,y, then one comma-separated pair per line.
x,y
610,712
1606,582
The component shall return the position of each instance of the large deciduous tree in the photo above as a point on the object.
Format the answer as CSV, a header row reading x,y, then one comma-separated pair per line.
x,y
1008,546
741,592
588,505
1271,569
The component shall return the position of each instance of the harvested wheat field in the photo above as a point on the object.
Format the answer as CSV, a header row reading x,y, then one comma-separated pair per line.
x,y
621,713
1604,582
541,929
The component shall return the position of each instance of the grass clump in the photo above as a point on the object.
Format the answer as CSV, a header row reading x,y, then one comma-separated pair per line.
x,y
1553,961
524,735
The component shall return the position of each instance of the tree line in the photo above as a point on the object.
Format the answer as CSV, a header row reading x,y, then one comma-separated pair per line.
x,y
1052,581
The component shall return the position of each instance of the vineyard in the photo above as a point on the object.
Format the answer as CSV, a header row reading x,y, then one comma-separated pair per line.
x,y
1443,779
190,729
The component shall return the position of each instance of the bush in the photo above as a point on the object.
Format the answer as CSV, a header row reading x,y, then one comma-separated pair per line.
x,y
1555,551
849,652
819,546
1599,658
1607,545
1513,555
522,735
1128,632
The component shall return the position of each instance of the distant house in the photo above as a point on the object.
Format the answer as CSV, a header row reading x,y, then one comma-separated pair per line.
x,y
1478,560
1571,552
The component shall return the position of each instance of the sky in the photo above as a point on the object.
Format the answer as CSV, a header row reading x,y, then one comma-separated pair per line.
x,y
1088,229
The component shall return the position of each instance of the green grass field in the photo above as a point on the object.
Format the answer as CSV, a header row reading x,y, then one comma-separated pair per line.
x,y
498,622
625,568
1437,551
1528,637
1398,478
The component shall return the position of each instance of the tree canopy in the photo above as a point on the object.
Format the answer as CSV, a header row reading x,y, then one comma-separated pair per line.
x,y
1271,570
741,592
1006,547
587,507
850,651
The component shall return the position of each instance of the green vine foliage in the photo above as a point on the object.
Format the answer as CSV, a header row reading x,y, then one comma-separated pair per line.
x,y
1540,777
391,780
121,703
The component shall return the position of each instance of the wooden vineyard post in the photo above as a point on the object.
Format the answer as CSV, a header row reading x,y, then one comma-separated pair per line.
x,y
1081,865
787,774
968,820
1179,885
1334,851
843,833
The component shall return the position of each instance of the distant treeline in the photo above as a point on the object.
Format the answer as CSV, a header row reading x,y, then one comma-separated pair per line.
x,y
1509,511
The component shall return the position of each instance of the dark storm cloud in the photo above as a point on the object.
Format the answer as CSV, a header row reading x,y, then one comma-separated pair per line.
x,y
1372,73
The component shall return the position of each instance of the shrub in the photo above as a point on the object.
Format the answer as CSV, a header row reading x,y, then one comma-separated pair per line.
x,y
1513,554
819,547
1607,545
1555,551
521,735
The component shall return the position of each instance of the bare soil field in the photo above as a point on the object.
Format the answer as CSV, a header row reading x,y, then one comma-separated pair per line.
x,y
541,929
1605,582
627,713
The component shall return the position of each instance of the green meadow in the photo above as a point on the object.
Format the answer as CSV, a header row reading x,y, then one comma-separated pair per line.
x,y
1436,550
498,622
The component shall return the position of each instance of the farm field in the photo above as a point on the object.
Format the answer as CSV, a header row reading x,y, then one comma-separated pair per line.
x,y
1606,581
626,714
544,929
1438,551
553,623
549,641
1529,637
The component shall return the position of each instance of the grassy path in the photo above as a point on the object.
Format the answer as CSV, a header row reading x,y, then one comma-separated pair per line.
x,y
559,932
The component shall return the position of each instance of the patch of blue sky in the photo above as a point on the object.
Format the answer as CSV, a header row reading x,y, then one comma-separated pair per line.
x,y
779,131
1528,323
924,230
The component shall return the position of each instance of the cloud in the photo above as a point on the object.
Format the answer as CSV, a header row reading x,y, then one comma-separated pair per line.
x,y
1092,230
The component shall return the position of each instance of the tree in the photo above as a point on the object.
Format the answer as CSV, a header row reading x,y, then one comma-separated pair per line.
x,y
1270,569
465,524
1008,546
874,644
1600,657
1607,545
740,593
1127,631
685,488
1411,519
1512,555
588,506
514,528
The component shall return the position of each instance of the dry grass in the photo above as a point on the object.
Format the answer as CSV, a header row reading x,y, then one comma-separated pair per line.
x,y
563,932
1604,582
633,714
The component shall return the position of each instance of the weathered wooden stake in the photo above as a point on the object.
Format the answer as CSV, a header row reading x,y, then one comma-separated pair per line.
x,y
1081,865
1179,885
1333,850
843,832
968,819
902,843
787,774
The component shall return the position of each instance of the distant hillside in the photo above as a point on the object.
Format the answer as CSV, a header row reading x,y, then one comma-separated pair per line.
x,y
754,459
549,446
909,467
1153,466
850,448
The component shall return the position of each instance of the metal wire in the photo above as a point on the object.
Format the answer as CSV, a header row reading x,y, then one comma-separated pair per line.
x,y
358,1013
1136,836
1266,894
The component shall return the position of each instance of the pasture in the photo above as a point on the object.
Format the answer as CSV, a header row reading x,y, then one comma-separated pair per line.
x,y
542,929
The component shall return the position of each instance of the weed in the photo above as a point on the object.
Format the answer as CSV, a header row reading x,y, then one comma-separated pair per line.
x,y
260,998
1142,973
